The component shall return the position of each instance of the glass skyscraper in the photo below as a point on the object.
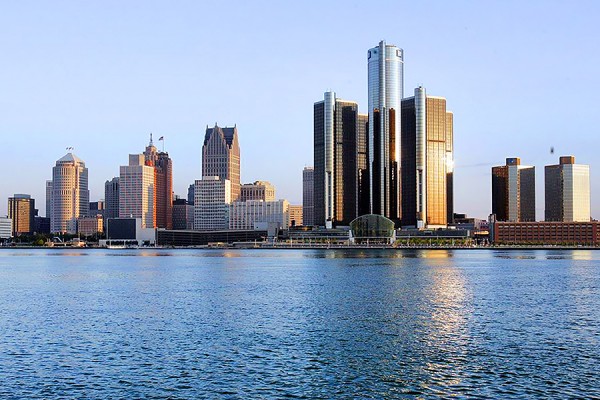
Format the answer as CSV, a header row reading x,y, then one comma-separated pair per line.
x,y
567,191
385,91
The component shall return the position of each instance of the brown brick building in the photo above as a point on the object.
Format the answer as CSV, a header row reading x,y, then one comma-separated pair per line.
x,y
536,233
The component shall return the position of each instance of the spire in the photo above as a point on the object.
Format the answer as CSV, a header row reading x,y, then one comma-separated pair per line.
x,y
151,144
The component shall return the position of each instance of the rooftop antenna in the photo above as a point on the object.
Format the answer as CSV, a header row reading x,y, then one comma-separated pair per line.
x,y
151,144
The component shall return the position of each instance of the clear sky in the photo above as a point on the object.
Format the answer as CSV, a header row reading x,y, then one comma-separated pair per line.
x,y
520,77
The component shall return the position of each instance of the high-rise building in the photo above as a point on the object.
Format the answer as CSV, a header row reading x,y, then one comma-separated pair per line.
x,y
163,184
21,209
567,191
70,194
211,203
295,215
243,215
338,135
183,215
385,80
259,190
513,191
96,208
136,191
308,208
221,156
427,161
190,194
48,199
111,198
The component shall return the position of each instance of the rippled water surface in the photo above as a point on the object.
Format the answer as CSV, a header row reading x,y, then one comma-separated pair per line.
x,y
299,324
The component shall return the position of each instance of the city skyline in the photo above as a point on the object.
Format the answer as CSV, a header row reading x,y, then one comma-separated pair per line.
x,y
501,85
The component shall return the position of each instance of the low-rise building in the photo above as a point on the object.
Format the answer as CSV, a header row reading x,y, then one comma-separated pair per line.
x,y
89,226
545,233
245,215
5,228
296,216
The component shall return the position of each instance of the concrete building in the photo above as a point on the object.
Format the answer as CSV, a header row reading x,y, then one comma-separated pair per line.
x,y
385,92
111,198
308,208
567,188
163,184
211,203
221,156
259,190
253,214
183,215
295,215
48,199
340,138
513,191
545,233
21,209
427,161
89,226
70,194
5,228
136,191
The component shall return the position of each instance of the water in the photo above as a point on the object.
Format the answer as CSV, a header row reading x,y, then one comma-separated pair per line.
x,y
299,324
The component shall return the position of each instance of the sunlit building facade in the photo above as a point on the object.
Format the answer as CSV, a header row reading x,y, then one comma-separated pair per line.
x,y
244,215
136,191
221,156
70,194
295,215
163,184
21,209
567,191
259,190
513,191
211,203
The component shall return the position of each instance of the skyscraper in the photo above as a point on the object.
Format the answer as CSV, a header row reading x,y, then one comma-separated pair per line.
x,y
513,191
136,191
221,156
49,199
567,187
338,135
427,161
308,208
21,209
211,203
111,198
385,77
70,195
163,184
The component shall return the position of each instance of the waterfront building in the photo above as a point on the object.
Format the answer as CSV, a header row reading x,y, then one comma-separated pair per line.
x,y
385,92
567,188
211,203
21,209
163,184
136,191
513,191
111,198
70,194
338,135
308,176
427,161
295,215
545,233
41,225
183,214
5,228
221,156
128,231
245,215
90,225
48,199
259,190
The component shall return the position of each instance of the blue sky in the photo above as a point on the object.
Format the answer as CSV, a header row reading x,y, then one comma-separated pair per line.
x,y
520,77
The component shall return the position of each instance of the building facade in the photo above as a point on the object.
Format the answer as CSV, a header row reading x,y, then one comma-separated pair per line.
x,y
339,133
89,226
513,191
163,184
5,228
567,191
21,209
244,215
385,92
545,233
259,190
136,191
427,161
111,198
308,208
296,215
70,194
221,156
49,199
183,214
211,203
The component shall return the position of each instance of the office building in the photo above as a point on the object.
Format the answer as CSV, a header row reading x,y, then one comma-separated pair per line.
x,y
259,190
427,161
136,191
295,215
21,209
41,225
5,228
308,208
48,199
546,233
163,184
221,156
258,214
111,198
90,226
338,135
190,194
513,191
70,194
385,92
96,208
211,203
567,187
183,214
